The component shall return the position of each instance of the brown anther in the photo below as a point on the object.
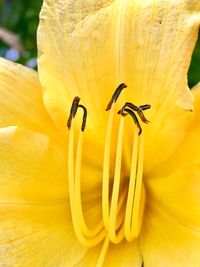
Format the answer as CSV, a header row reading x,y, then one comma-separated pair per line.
x,y
139,110
129,108
84,117
73,111
145,107
116,95
130,112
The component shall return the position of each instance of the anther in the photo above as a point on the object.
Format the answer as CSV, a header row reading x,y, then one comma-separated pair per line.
x,y
137,109
127,111
129,108
84,117
145,107
73,111
116,95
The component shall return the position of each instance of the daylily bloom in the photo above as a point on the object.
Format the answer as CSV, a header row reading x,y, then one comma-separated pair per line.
x,y
103,195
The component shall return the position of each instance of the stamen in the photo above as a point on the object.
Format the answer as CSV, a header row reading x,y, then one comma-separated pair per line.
x,y
85,236
140,214
130,112
116,223
136,194
131,190
115,193
84,228
135,108
116,95
139,199
145,107
103,252
106,170
84,117
106,162
73,111
129,108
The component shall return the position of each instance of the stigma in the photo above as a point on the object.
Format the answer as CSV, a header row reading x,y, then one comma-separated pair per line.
x,y
122,208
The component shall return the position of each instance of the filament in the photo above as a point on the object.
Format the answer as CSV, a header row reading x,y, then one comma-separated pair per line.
x,y
116,186
123,208
104,250
85,236
139,193
106,170
131,191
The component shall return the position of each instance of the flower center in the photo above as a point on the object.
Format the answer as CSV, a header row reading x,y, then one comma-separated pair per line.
x,y
117,223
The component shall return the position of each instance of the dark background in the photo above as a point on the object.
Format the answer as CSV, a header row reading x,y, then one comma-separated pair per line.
x,y
20,18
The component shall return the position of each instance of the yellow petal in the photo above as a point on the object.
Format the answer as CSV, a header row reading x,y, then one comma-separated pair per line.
x,y
33,168
90,258
171,231
35,220
37,235
21,99
88,48
167,242
123,254
175,183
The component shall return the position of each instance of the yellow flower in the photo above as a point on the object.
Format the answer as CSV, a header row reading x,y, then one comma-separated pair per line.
x,y
105,196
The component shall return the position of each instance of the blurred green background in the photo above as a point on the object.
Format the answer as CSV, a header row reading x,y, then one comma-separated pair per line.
x,y
21,17
18,25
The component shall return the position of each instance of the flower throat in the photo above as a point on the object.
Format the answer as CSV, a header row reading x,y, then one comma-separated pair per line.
x,y
114,226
